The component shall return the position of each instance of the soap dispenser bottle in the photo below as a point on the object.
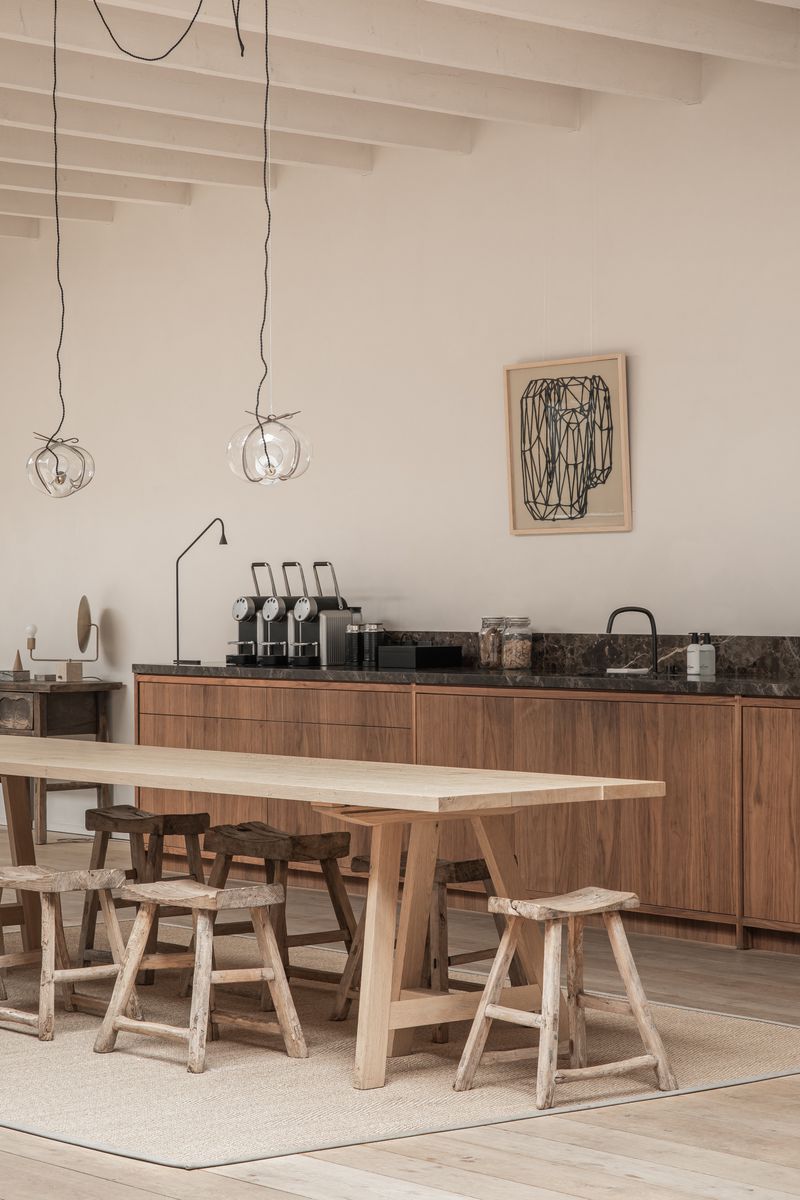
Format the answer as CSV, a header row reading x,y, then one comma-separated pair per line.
x,y
708,657
693,657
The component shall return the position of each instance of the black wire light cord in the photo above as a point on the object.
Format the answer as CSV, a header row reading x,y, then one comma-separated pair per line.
x,y
235,6
63,314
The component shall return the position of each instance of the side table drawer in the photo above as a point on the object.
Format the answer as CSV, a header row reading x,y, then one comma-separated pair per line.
x,y
16,712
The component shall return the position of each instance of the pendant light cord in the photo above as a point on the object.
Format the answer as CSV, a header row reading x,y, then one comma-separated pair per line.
x,y
63,313
265,312
159,57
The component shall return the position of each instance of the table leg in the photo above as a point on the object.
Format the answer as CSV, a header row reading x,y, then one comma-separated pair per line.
x,y
40,812
498,850
375,997
16,793
415,911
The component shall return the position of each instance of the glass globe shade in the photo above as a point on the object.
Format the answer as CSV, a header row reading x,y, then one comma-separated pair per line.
x,y
60,469
270,454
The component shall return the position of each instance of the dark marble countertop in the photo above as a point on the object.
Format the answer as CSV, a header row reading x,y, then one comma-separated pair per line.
x,y
670,685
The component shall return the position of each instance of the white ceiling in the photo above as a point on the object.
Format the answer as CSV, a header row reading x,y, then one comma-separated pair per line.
x,y
348,76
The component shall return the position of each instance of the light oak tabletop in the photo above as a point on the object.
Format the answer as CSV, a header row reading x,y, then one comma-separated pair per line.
x,y
313,780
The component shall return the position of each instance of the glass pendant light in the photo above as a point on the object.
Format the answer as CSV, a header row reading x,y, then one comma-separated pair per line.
x,y
269,450
61,466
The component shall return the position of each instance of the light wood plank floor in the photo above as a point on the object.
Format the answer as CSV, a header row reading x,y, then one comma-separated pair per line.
x,y
723,1145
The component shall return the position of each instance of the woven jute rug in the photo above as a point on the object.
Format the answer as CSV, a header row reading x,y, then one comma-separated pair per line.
x,y
254,1102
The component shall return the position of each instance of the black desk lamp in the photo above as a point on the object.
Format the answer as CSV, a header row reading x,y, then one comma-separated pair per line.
x,y
223,541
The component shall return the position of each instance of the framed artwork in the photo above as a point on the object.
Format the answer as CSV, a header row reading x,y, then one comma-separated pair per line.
x,y
568,454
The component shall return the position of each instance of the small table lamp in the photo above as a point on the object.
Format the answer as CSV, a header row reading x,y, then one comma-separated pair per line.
x,y
223,541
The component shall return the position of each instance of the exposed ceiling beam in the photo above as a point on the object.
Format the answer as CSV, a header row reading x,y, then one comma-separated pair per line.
x,y
739,29
119,158
290,111
35,204
26,178
19,227
412,30
32,110
296,76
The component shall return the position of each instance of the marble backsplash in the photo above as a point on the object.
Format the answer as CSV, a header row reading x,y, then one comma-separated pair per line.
x,y
591,653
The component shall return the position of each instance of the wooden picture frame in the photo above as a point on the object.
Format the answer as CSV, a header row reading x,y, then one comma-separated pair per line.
x,y
567,444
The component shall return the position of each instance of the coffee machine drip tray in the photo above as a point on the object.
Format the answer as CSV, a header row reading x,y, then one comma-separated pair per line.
x,y
304,660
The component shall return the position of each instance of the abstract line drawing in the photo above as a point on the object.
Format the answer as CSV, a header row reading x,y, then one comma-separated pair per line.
x,y
566,444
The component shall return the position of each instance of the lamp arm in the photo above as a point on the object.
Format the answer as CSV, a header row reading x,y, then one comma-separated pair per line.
x,y
223,538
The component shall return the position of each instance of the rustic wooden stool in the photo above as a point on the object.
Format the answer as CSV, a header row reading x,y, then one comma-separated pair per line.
x,y
554,911
54,957
438,957
147,862
205,902
254,839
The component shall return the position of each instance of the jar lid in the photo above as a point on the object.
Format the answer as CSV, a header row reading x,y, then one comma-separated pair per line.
x,y
494,620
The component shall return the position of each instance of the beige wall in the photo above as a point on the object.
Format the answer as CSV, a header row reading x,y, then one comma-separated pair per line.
x,y
664,231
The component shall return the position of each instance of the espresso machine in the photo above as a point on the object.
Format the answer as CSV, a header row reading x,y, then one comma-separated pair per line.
x,y
273,618
317,625
246,613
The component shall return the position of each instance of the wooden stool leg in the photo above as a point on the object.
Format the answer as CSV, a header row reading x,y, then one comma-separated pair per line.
x,y
40,812
46,981
123,988
515,972
340,900
277,872
194,857
577,1015
438,942
117,944
551,1003
154,871
3,992
201,992
218,877
279,987
491,994
351,973
90,901
62,955
638,1000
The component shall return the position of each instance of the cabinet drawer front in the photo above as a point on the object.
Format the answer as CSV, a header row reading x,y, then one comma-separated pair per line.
x,y
318,705
202,700
16,712
328,705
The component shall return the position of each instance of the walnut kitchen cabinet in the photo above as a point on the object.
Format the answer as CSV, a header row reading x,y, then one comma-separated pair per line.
x,y
679,853
771,805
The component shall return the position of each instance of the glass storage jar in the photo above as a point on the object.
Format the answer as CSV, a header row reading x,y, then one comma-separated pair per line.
x,y
489,641
517,644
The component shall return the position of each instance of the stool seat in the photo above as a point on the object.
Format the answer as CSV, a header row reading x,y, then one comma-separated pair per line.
x,y
255,839
188,893
470,870
124,818
47,881
583,903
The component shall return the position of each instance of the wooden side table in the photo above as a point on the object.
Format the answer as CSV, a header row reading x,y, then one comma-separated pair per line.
x,y
39,708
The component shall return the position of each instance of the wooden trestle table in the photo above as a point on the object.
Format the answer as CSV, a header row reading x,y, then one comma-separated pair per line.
x,y
388,797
